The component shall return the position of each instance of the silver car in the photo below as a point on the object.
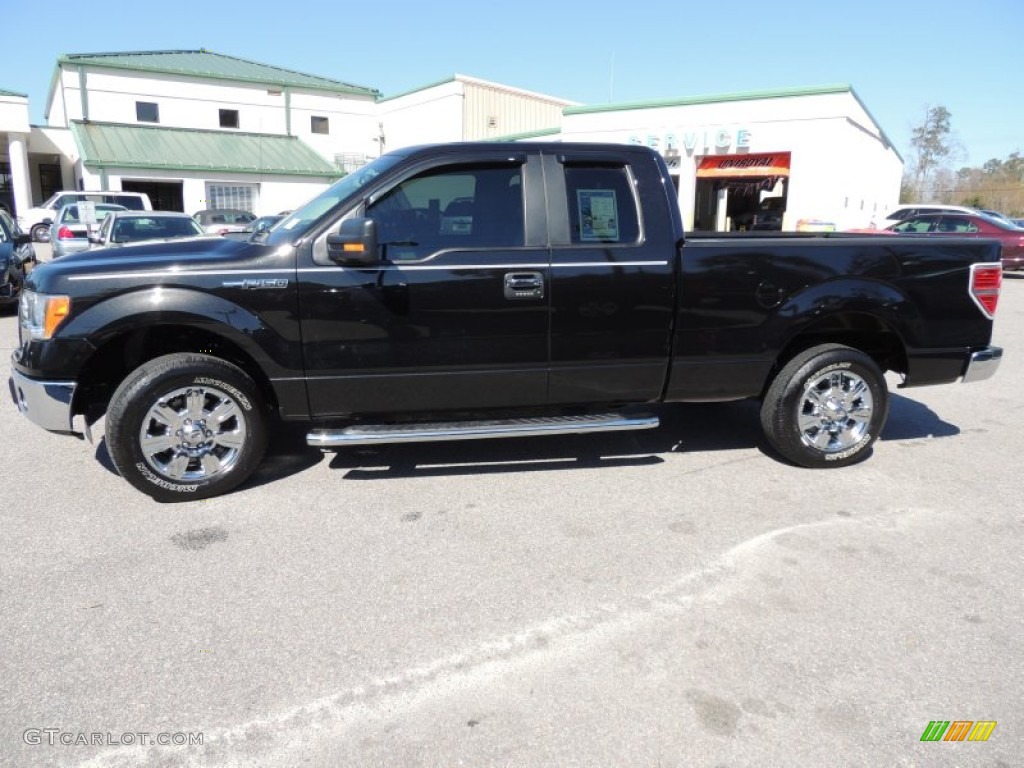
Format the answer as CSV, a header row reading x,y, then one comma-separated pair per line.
x,y
224,220
125,227
70,234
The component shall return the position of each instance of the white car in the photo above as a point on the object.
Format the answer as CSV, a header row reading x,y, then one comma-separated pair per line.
x,y
221,221
906,210
36,221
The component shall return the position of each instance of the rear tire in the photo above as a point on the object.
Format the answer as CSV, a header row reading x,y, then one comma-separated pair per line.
x,y
826,407
40,233
186,426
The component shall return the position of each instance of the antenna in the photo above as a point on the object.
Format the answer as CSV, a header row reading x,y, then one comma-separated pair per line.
x,y
611,80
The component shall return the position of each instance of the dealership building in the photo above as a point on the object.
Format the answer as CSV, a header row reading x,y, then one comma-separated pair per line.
x,y
816,156
197,129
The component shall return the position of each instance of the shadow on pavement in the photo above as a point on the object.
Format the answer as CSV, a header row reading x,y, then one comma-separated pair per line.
x,y
691,428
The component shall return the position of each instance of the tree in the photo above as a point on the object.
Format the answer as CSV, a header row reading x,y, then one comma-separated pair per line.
x,y
932,145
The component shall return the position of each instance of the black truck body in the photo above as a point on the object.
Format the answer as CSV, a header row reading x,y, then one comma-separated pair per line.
x,y
482,290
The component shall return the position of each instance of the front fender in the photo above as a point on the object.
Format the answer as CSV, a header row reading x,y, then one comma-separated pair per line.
x,y
278,355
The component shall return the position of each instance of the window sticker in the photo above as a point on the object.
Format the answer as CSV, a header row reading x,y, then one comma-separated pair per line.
x,y
598,214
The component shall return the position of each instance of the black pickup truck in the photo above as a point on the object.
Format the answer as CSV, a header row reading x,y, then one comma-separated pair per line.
x,y
489,290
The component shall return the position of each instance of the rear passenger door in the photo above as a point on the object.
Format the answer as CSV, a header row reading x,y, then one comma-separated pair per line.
x,y
612,278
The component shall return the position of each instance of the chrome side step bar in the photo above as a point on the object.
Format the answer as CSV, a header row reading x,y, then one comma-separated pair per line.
x,y
372,434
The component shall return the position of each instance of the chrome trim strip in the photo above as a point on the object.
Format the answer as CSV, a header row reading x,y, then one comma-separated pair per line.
x,y
612,264
241,274
520,265
982,365
476,430
183,273
423,267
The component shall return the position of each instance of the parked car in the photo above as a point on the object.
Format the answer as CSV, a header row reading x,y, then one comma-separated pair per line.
x,y
16,253
125,227
69,234
908,210
996,215
223,220
263,223
969,225
767,217
36,221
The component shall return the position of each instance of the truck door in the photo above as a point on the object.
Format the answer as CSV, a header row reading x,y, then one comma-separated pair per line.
x,y
454,315
612,287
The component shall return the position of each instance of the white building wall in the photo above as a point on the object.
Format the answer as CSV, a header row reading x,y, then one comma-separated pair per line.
x,y
423,117
466,109
352,122
13,114
185,102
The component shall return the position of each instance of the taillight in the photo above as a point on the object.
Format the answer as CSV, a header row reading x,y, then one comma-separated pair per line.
x,y
65,233
986,282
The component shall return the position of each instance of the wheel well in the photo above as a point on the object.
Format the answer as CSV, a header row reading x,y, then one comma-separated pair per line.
x,y
122,354
866,333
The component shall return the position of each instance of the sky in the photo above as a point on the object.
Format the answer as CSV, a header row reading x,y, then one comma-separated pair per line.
x,y
900,58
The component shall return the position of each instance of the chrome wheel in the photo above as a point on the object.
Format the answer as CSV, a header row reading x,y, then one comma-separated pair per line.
x,y
193,433
835,411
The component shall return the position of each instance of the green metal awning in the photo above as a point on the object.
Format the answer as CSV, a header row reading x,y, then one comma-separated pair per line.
x,y
115,145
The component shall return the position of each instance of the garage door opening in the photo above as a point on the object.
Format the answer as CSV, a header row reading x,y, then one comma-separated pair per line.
x,y
164,195
741,192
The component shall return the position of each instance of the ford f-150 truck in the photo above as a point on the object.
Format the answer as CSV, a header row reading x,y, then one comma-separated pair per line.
x,y
488,290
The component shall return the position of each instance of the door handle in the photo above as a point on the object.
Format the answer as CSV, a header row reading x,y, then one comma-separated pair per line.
x,y
524,285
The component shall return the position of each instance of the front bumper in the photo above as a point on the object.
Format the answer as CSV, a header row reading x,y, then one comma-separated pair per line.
x,y
47,403
982,364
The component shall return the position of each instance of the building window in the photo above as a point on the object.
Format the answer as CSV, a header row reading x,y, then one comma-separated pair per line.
x,y
229,118
319,124
237,196
147,112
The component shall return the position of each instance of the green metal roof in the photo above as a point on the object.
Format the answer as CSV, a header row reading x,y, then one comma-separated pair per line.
x,y
436,83
113,145
747,96
529,134
210,65
12,93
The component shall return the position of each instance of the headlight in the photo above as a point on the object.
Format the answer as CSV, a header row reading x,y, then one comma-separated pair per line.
x,y
39,314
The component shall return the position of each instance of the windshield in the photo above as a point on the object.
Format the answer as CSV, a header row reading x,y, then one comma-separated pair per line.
x,y
297,223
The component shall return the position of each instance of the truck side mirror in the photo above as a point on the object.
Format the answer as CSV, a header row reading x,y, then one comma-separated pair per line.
x,y
355,243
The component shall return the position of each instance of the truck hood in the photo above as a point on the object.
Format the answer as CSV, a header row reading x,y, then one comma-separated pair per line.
x,y
151,261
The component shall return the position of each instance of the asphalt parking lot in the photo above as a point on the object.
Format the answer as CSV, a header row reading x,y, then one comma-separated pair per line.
x,y
678,597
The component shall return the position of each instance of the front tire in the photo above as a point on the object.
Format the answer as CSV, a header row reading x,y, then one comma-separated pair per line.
x,y
186,426
826,407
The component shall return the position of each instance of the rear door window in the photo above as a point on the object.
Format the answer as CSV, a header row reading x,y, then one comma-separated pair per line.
x,y
602,206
